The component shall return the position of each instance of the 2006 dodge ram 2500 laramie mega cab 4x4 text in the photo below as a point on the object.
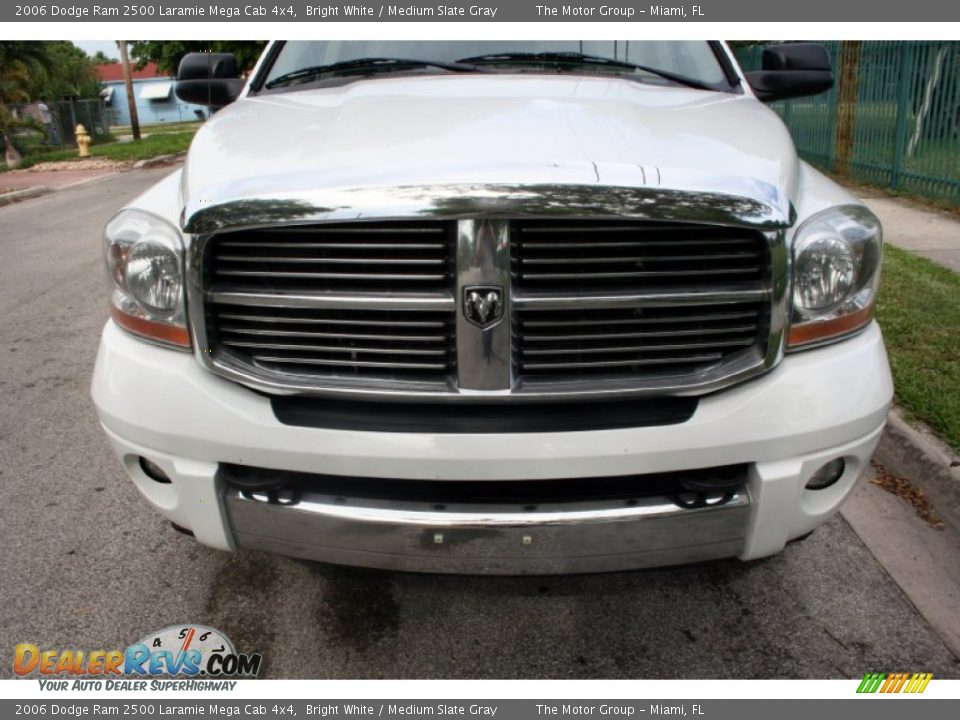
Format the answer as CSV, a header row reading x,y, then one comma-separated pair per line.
x,y
495,307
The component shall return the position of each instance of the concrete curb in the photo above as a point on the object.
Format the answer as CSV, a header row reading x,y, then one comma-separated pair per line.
x,y
160,160
40,190
25,194
926,461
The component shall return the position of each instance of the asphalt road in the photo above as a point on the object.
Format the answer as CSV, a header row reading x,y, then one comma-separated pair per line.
x,y
86,564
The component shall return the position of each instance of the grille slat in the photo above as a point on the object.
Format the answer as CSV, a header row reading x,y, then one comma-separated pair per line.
x,y
752,329
338,335
332,260
266,360
372,277
644,362
637,259
640,321
285,302
645,348
627,274
562,227
348,349
256,245
390,229
688,295
593,245
273,319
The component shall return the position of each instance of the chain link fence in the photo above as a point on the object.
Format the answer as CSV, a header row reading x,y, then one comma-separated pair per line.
x,y
892,118
63,116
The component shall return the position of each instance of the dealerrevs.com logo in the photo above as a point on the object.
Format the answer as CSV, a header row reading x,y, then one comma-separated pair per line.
x,y
178,651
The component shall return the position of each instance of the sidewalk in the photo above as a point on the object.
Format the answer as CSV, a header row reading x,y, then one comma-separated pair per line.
x,y
924,231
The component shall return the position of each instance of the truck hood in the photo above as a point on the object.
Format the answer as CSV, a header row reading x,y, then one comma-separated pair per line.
x,y
508,144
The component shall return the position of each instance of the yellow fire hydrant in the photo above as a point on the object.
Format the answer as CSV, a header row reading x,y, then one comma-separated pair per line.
x,y
83,141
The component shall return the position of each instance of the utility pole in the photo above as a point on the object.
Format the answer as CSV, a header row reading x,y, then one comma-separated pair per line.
x,y
128,84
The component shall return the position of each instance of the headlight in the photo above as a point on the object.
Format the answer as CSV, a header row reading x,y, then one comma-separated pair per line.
x,y
836,269
145,271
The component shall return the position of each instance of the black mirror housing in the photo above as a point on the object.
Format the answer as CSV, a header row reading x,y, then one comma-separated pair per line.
x,y
792,70
210,79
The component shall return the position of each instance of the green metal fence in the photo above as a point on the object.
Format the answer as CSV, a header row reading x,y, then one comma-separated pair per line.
x,y
64,116
892,118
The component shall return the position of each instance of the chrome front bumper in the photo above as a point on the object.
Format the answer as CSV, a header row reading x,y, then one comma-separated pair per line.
x,y
570,537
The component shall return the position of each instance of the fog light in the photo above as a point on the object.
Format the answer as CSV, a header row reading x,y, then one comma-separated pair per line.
x,y
153,471
826,475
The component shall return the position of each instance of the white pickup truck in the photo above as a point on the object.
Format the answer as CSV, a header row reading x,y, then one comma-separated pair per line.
x,y
495,307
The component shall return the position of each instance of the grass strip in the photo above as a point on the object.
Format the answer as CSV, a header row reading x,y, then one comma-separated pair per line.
x,y
148,147
918,308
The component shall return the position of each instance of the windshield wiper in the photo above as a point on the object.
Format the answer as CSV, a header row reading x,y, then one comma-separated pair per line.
x,y
574,58
361,66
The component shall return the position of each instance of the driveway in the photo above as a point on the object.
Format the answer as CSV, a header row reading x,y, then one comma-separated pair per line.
x,y
86,564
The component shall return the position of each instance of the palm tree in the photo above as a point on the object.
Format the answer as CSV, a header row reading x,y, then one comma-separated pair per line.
x,y
8,123
17,60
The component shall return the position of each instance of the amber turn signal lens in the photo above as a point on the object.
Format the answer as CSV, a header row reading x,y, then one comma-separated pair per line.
x,y
168,334
812,332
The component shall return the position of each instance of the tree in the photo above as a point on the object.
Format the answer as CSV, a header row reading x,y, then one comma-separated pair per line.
x,y
8,123
101,59
14,79
19,60
737,44
70,73
168,53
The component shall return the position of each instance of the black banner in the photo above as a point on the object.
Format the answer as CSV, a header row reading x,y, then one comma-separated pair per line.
x,y
485,11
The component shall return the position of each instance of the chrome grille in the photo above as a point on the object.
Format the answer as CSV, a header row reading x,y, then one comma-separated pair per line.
x,y
603,264
589,256
374,257
337,302
657,340
591,307
343,342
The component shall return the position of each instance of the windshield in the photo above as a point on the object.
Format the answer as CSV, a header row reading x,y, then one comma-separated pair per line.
x,y
676,60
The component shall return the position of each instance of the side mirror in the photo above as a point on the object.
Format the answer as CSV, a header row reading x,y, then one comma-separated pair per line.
x,y
792,70
208,79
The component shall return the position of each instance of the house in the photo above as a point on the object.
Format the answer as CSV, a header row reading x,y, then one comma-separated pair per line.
x,y
153,91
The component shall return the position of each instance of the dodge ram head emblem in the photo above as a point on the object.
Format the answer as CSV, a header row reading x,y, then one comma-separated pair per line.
x,y
483,306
